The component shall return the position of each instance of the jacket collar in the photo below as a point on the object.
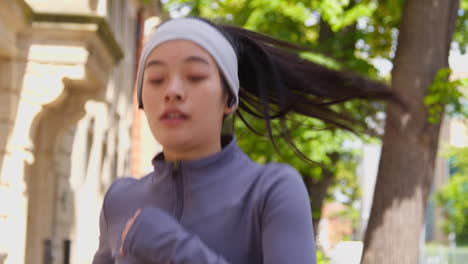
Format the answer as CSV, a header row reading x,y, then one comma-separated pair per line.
x,y
228,150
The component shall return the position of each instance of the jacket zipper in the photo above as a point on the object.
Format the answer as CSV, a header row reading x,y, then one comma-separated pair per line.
x,y
179,180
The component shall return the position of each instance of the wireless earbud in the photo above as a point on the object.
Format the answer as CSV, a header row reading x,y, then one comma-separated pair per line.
x,y
231,101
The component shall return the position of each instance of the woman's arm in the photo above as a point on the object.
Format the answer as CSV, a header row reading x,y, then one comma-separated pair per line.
x,y
157,237
288,235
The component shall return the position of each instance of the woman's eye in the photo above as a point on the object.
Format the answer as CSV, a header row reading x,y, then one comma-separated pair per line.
x,y
196,78
156,81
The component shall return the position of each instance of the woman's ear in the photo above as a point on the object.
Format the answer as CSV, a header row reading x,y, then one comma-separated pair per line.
x,y
230,105
231,101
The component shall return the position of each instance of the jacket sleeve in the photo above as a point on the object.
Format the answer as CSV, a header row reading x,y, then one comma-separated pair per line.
x,y
288,235
157,237
103,254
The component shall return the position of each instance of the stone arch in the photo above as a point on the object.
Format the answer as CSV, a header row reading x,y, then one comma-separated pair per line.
x,y
49,126
68,63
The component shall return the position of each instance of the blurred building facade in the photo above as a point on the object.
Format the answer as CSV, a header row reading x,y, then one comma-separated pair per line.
x,y
67,70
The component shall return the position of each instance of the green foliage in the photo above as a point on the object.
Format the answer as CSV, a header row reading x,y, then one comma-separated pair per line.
x,y
379,32
310,137
321,59
296,21
325,147
321,258
346,184
461,30
278,18
444,94
453,197
343,13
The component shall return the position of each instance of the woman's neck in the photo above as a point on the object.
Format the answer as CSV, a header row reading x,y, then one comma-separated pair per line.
x,y
191,152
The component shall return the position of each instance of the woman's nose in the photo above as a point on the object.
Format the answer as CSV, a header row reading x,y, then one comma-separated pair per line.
x,y
175,92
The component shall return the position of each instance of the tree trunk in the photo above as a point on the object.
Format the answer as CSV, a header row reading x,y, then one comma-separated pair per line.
x,y
318,190
410,144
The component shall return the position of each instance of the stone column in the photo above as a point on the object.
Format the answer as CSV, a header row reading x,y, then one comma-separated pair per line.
x,y
13,156
62,61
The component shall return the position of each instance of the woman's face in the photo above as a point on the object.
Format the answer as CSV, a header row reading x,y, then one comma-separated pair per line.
x,y
183,97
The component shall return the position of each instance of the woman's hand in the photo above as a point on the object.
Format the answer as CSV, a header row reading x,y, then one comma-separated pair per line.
x,y
128,225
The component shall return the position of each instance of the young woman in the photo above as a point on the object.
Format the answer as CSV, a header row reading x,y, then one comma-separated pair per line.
x,y
206,201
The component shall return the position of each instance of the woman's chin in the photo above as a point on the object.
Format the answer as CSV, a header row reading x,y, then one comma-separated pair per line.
x,y
175,143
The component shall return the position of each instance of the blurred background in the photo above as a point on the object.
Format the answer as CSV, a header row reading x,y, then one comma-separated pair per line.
x,y
69,124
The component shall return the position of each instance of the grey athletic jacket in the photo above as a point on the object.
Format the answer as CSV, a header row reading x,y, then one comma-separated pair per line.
x,y
221,209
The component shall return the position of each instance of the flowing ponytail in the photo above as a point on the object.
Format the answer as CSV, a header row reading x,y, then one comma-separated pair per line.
x,y
275,81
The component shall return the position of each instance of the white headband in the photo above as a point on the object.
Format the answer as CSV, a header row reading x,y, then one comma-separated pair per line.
x,y
201,33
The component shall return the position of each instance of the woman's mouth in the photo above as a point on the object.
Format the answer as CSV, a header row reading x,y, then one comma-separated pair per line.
x,y
173,117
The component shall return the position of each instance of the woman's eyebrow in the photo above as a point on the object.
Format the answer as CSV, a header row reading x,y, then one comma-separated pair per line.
x,y
196,59
155,63
188,59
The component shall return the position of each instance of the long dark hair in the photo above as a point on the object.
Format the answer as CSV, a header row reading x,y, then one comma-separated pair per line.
x,y
275,81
